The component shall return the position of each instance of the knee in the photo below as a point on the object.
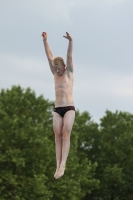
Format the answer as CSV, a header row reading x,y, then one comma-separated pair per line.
x,y
57,133
65,133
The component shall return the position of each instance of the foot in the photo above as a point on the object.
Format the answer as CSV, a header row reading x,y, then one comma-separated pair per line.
x,y
60,172
56,172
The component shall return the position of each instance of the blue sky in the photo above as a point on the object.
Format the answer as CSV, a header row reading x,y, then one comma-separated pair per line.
x,y
102,32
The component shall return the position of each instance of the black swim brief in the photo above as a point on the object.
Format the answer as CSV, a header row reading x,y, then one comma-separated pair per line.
x,y
62,110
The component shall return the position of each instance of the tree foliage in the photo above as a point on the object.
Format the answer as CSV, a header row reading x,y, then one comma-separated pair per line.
x,y
113,150
100,161
27,151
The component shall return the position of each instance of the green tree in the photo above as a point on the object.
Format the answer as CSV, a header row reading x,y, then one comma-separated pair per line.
x,y
24,139
27,151
114,154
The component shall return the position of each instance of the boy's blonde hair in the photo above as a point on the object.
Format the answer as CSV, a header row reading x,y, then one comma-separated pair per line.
x,y
57,61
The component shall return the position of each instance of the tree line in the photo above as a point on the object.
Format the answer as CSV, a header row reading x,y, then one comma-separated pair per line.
x,y
100,161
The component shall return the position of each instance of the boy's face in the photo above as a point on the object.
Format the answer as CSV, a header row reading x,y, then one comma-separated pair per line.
x,y
59,69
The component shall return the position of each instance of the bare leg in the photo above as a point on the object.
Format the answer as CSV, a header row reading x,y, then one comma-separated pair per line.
x,y
58,146
65,151
68,121
57,126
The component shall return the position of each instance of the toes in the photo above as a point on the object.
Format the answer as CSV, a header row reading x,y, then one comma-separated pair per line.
x,y
59,174
55,174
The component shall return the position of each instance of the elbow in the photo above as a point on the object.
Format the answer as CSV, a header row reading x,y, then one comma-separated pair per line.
x,y
69,56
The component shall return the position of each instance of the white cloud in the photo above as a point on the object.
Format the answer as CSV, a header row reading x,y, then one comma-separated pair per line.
x,y
105,82
27,72
48,11
113,2
87,3
54,10
123,86
79,3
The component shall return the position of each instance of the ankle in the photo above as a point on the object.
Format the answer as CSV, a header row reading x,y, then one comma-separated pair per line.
x,y
62,165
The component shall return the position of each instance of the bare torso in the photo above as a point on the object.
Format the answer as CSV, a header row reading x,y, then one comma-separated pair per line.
x,y
64,89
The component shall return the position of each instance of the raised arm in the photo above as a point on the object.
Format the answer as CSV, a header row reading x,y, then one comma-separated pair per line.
x,y
48,51
69,53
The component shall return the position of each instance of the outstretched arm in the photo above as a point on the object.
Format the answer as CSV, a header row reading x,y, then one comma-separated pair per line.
x,y
48,51
69,52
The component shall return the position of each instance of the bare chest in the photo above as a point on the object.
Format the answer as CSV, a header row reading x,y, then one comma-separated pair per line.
x,y
63,82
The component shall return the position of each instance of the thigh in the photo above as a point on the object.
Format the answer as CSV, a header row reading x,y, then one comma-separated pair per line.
x,y
68,120
57,123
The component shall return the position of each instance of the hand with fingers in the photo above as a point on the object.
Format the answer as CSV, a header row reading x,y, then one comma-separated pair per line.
x,y
44,36
68,36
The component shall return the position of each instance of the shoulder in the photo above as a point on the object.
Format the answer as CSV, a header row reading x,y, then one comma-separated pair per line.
x,y
69,69
51,66
69,73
